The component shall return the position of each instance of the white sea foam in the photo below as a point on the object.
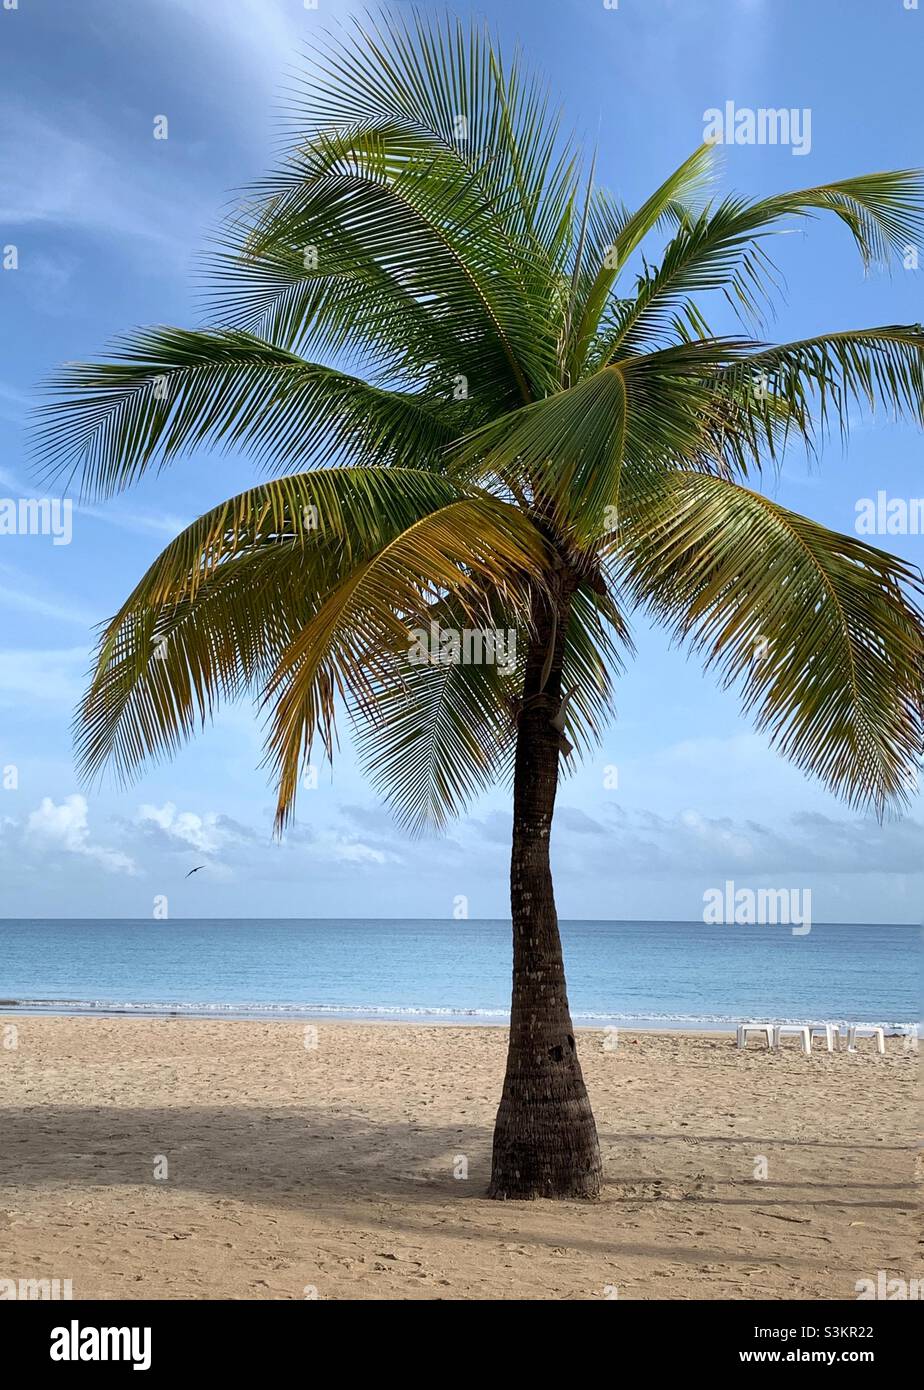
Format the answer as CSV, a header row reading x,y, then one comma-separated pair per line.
x,y
203,1009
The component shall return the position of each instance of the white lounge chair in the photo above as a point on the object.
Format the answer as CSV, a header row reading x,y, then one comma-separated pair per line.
x,y
864,1030
829,1031
763,1029
801,1031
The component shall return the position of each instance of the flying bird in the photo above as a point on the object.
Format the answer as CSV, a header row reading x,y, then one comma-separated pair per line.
x,y
195,870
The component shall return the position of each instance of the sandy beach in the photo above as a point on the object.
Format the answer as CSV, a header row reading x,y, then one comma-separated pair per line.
x,y
177,1158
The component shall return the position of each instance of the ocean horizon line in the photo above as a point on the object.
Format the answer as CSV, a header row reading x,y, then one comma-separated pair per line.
x,y
504,921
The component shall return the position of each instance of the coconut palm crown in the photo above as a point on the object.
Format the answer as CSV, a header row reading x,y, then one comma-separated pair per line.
x,y
479,399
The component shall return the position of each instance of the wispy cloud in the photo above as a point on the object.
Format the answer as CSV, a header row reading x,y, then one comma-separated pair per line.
x,y
641,842
266,34
72,175
148,523
228,844
13,406
60,611
65,826
165,524
52,676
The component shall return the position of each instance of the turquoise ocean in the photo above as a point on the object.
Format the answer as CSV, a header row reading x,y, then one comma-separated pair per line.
x,y
644,974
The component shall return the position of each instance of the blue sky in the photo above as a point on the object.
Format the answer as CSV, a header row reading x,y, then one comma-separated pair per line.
x,y
107,222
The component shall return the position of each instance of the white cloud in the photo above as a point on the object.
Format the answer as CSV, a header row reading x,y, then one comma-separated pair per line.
x,y
66,827
201,833
228,845
67,177
642,842
354,852
64,180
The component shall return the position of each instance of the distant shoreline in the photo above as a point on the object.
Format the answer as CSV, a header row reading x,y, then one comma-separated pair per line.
x,y
395,1019
24,1011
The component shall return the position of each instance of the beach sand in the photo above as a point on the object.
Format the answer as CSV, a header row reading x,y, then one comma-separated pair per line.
x,y
332,1168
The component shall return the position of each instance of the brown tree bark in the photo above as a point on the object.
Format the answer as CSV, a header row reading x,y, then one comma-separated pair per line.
x,y
545,1138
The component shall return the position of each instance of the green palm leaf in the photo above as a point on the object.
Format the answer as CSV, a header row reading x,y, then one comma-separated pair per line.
x,y
308,583
721,249
171,390
823,632
433,736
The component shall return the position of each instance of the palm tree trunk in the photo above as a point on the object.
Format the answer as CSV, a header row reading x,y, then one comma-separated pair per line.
x,y
545,1139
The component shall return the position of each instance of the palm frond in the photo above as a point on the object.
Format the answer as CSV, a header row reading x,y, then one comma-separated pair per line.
x,y
215,615
171,390
449,80
617,233
883,211
721,249
819,380
471,548
372,197
581,450
823,632
432,736
442,186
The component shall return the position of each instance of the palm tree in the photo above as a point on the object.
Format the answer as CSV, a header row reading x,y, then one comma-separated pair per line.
x,y
424,311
